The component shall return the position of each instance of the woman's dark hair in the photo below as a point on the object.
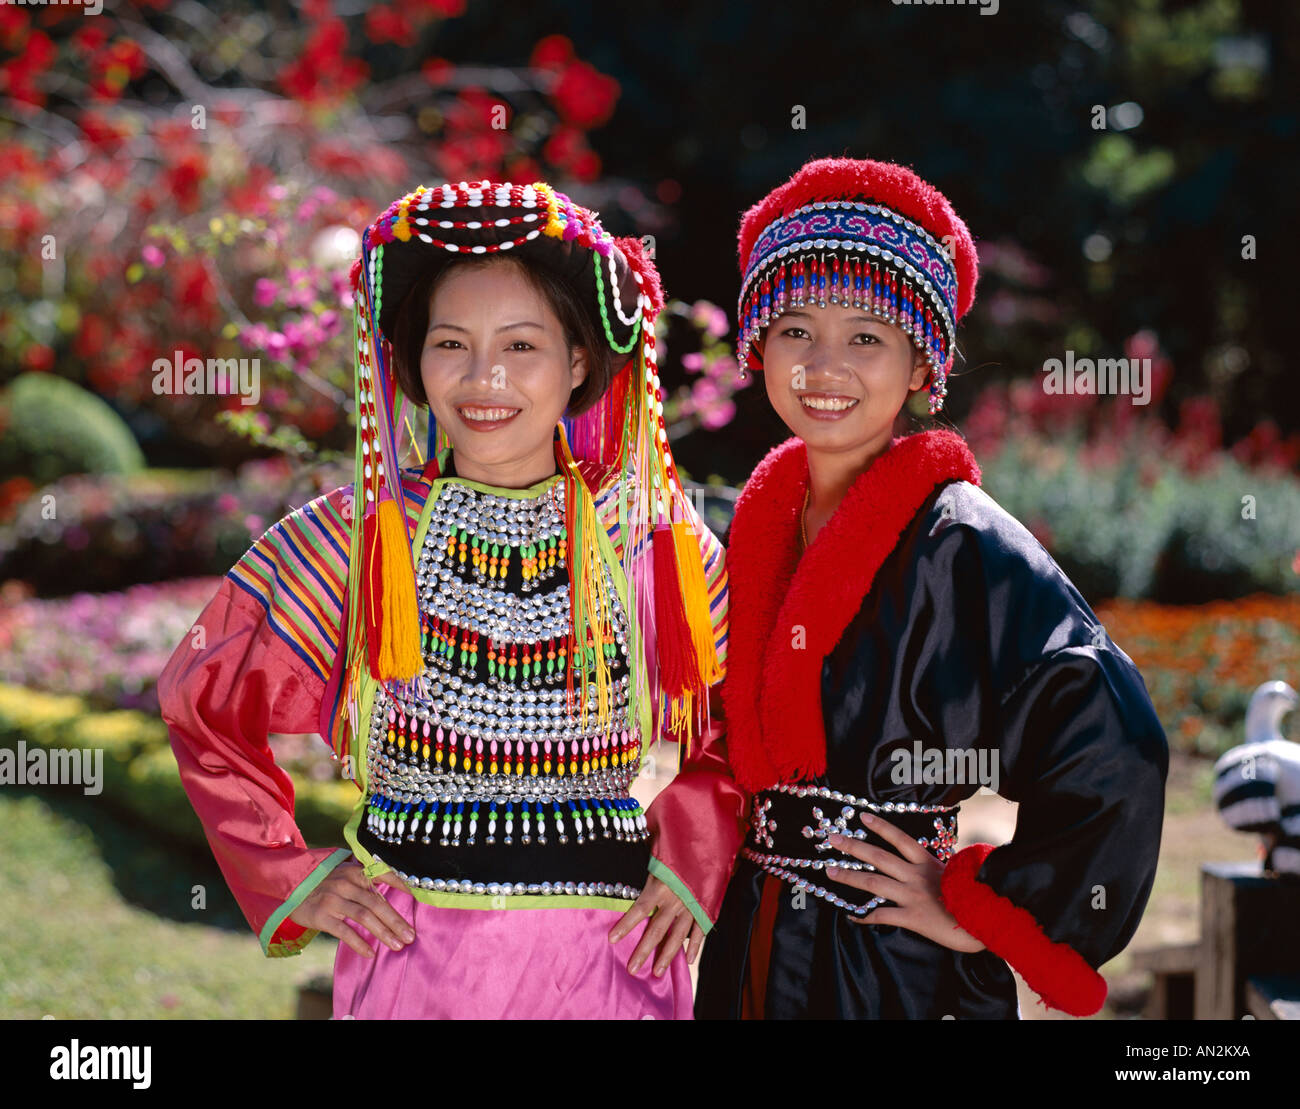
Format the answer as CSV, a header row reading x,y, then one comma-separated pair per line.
x,y
411,327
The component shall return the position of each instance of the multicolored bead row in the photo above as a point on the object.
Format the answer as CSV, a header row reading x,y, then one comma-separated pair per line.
x,y
466,576
442,748
490,561
398,223
589,818
815,255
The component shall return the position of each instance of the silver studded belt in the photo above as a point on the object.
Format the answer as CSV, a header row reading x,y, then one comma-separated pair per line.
x,y
789,826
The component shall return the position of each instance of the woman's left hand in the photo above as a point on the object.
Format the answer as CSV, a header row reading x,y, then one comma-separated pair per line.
x,y
910,879
671,925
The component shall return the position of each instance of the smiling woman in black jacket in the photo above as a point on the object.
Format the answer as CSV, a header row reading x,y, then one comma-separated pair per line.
x,y
898,640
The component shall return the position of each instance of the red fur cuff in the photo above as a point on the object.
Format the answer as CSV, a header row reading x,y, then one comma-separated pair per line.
x,y
1054,971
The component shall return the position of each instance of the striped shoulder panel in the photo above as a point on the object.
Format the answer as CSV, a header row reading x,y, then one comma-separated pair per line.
x,y
711,549
298,570
715,579
607,513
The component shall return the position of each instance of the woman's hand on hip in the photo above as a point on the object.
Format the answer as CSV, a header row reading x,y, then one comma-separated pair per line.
x,y
671,925
346,894
909,878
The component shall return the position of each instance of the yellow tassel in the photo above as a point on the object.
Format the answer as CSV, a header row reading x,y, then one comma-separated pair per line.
x,y
695,599
399,648
587,593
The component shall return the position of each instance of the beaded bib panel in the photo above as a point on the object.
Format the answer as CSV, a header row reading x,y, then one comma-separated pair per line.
x,y
487,781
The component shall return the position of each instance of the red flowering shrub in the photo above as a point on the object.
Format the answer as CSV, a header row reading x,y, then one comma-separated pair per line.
x,y
169,194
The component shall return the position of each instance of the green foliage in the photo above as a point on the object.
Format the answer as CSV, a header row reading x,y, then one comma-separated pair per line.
x,y
1139,526
256,428
1116,167
54,427
140,774
104,533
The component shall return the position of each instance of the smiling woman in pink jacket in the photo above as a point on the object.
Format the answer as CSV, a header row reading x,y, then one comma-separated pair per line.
x,y
490,640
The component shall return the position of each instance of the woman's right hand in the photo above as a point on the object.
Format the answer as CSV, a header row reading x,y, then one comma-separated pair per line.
x,y
346,893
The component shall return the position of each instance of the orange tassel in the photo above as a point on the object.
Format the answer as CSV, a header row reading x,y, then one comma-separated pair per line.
x,y
372,588
695,600
399,644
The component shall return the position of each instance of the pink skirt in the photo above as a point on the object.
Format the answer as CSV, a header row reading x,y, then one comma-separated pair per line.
x,y
506,964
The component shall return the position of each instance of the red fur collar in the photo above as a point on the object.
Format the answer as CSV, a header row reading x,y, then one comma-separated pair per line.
x,y
772,693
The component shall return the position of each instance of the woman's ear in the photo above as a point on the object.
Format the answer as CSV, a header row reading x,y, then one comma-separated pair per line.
x,y
577,367
920,370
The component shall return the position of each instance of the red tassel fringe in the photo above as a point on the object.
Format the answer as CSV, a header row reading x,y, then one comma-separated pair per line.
x,y
678,671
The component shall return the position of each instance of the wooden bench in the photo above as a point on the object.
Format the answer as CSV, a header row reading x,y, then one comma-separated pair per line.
x,y
1248,931
1173,987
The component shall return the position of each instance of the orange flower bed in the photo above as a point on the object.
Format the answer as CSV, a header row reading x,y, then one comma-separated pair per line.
x,y
1201,663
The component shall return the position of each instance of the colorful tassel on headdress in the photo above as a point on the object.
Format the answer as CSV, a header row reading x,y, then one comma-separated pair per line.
x,y
394,599
695,599
590,615
372,586
674,643
382,613
688,658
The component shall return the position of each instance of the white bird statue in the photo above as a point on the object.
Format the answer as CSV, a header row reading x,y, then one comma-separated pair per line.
x,y
1257,784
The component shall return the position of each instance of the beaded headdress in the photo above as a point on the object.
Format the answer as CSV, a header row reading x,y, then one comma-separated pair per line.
x,y
622,438
869,234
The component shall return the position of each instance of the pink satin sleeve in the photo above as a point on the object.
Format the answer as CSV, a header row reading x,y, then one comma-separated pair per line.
x,y
221,695
697,823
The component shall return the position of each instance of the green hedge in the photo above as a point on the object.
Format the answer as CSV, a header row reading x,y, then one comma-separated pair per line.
x,y
140,777
1139,526
54,427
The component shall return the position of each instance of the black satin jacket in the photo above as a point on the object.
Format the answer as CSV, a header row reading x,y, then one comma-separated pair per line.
x,y
970,637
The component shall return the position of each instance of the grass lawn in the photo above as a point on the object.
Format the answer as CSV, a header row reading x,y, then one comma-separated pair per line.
x,y
97,924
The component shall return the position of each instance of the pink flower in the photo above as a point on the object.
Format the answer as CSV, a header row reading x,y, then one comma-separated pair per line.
x,y
255,336
723,370
693,361
153,255
705,391
718,415
265,292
